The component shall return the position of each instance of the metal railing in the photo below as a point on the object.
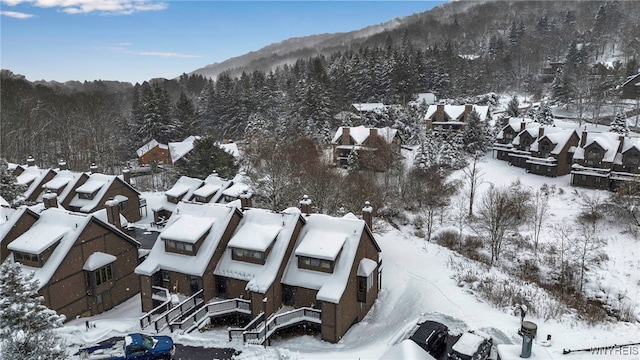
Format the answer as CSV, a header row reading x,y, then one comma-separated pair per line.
x,y
177,311
278,321
191,322
146,319
257,321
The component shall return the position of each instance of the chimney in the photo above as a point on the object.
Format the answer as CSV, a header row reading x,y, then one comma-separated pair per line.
x,y
583,138
529,331
621,143
113,213
367,212
540,131
31,161
50,200
346,135
93,168
523,126
62,165
440,112
305,205
373,132
245,199
468,108
126,175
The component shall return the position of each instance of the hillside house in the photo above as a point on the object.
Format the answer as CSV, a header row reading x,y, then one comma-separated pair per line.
x,y
521,145
335,268
630,88
33,178
179,150
443,117
187,251
154,152
92,195
552,152
363,141
84,265
255,258
212,189
239,185
504,139
63,184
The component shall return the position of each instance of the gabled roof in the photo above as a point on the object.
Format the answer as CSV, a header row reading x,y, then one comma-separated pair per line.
x,y
213,181
312,239
360,134
531,129
179,149
608,141
64,179
185,186
240,184
514,124
231,148
454,112
149,146
218,215
557,136
366,107
99,183
630,143
258,230
33,176
64,228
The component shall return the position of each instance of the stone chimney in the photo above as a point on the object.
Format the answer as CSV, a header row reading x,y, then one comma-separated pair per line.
x,y
62,165
439,112
540,131
31,161
113,213
93,168
583,137
346,135
245,199
367,214
126,175
373,132
50,200
305,205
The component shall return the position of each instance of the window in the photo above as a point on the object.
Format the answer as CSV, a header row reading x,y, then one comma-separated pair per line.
x,y
364,285
27,258
252,256
166,275
315,264
179,245
103,275
87,196
545,149
123,205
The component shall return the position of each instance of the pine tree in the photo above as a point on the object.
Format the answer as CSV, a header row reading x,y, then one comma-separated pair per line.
x,y
26,330
206,157
544,115
513,108
353,161
10,190
474,135
619,125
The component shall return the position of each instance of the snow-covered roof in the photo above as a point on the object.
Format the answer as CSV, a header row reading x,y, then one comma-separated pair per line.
x,y
97,260
360,134
366,267
222,185
558,137
406,350
148,146
323,229
239,186
179,149
218,215
38,238
206,190
428,98
454,112
65,180
366,107
629,143
52,224
184,186
280,226
9,219
187,228
610,142
96,182
102,216
468,344
32,176
231,148
4,203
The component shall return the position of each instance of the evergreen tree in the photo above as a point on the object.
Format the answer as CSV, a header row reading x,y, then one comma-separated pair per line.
x,y
353,161
185,117
10,190
513,107
544,115
474,135
619,125
207,157
26,330
561,87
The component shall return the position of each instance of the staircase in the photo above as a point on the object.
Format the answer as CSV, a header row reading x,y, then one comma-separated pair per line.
x,y
279,321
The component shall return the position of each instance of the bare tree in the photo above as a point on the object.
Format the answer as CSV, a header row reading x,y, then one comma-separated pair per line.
x,y
562,245
473,179
624,204
500,212
459,215
540,213
588,247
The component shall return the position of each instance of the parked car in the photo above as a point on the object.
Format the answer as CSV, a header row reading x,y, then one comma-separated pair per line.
x,y
134,346
431,336
472,345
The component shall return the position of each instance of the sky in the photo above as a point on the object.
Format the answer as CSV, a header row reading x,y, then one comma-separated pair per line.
x,y
137,40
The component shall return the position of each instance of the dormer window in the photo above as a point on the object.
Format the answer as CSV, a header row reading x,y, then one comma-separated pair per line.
x,y
315,264
252,242
594,155
87,195
28,259
631,162
176,193
186,234
252,256
180,246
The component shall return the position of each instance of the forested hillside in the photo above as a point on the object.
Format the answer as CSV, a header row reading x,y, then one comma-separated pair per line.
x,y
457,50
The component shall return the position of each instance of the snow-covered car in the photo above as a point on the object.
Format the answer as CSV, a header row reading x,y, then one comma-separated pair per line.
x,y
431,336
472,345
133,347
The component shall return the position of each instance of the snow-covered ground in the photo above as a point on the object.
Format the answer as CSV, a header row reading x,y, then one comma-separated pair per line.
x,y
417,282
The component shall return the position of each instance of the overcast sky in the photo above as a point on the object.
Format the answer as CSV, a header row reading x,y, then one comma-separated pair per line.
x,y
136,40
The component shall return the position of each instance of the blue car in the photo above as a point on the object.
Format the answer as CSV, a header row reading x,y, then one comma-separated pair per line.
x,y
134,346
